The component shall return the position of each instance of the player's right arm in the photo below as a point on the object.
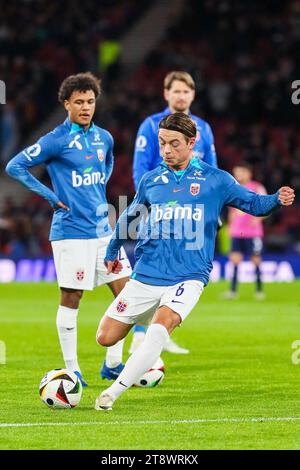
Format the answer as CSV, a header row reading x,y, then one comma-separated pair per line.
x,y
144,150
126,228
41,152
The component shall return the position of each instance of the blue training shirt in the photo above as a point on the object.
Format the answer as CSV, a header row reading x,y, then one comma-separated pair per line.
x,y
79,164
178,240
147,155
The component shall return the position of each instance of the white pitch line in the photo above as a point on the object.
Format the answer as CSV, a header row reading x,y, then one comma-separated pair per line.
x,y
183,421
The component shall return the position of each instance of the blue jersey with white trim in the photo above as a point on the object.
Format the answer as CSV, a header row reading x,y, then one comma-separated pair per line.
x,y
147,154
177,242
79,164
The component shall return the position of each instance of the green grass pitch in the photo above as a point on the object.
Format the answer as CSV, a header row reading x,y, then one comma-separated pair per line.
x,y
239,370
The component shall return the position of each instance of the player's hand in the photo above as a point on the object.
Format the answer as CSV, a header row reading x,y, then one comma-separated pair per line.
x,y
286,195
114,267
62,206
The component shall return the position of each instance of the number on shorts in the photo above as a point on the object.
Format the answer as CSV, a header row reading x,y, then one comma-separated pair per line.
x,y
180,290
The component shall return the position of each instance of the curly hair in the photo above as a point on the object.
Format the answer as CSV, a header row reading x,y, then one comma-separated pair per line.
x,y
79,82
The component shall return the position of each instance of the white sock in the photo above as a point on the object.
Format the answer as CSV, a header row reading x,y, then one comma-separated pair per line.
x,y
114,354
139,335
141,360
66,322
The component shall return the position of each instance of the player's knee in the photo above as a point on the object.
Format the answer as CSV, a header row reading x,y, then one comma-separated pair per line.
x,y
71,298
256,260
104,339
235,258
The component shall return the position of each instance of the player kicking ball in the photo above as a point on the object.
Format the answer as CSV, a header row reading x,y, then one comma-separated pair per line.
x,y
183,198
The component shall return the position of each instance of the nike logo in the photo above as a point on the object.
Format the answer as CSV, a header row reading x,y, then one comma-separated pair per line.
x,y
177,302
177,190
88,157
121,383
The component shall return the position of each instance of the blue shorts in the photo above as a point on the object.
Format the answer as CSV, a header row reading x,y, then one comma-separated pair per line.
x,y
247,246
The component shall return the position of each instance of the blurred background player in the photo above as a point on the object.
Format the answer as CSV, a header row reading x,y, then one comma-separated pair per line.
x,y
179,93
246,233
79,159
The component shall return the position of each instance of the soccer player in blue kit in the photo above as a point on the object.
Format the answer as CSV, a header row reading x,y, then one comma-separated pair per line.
x,y
183,198
79,159
179,93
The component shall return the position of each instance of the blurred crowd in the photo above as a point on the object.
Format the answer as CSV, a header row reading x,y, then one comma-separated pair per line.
x,y
43,42
243,56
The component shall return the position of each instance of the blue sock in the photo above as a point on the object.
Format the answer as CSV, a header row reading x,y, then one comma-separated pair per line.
x,y
258,280
234,279
139,328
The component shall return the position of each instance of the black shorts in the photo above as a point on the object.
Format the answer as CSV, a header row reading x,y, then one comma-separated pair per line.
x,y
247,246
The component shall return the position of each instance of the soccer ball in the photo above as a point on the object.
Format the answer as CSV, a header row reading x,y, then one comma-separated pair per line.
x,y
60,388
153,376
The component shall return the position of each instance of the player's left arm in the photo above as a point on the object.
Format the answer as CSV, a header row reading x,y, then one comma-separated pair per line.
x,y
210,155
242,198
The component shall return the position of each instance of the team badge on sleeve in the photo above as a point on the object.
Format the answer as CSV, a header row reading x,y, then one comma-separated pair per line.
x,y
195,189
122,305
32,151
141,142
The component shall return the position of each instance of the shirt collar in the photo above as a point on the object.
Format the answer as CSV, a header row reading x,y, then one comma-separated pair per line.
x,y
74,127
168,111
194,162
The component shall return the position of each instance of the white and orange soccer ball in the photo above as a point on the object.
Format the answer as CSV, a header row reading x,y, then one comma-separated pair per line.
x,y
153,376
60,388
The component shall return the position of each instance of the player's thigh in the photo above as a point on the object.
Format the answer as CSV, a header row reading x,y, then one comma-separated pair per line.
x,y
136,303
75,263
101,276
118,285
110,331
180,299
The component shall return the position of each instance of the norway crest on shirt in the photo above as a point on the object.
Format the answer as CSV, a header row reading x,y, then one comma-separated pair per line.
x,y
195,189
100,155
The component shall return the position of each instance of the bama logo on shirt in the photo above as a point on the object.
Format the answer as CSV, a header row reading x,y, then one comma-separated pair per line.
x,y
186,212
88,178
